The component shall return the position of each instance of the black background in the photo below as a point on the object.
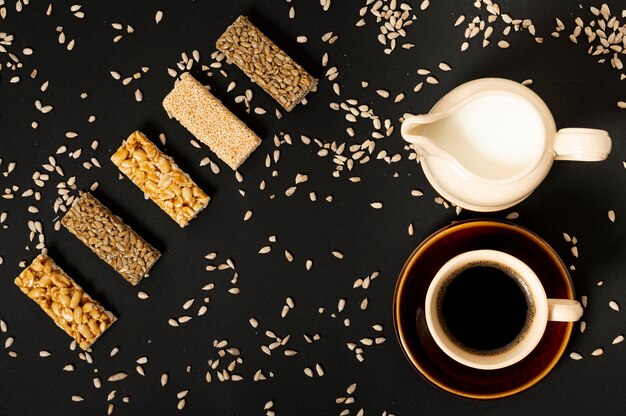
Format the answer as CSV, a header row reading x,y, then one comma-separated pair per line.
x,y
574,198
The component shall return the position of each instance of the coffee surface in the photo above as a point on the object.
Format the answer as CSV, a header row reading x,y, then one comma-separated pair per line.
x,y
484,309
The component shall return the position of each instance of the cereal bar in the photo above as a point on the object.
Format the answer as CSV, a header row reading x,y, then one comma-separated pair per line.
x,y
160,178
210,121
74,311
110,238
265,63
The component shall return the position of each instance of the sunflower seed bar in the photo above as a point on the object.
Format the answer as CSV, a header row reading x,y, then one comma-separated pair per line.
x,y
74,311
265,63
110,238
210,121
160,178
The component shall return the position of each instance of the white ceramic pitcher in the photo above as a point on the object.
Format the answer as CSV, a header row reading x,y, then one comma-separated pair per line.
x,y
487,144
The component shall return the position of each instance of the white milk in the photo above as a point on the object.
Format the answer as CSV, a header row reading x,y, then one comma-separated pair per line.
x,y
494,136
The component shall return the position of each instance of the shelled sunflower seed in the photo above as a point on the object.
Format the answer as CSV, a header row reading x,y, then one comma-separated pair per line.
x,y
495,19
393,17
603,33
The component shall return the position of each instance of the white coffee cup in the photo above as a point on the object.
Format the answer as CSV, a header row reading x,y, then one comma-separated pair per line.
x,y
544,309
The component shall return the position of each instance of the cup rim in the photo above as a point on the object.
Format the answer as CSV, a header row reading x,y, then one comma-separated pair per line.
x,y
510,356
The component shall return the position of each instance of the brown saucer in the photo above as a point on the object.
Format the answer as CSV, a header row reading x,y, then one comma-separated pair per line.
x,y
410,323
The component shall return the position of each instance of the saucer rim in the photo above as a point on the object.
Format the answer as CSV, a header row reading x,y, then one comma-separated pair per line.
x,y
415,363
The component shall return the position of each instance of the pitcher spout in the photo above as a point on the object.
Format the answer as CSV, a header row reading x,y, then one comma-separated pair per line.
x,y
411,131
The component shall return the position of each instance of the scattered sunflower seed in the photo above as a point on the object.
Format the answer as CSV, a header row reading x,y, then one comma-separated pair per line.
x,y
338,254
118,376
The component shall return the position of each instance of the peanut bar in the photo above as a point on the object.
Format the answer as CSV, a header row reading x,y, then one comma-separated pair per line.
x,y
74,311
160,178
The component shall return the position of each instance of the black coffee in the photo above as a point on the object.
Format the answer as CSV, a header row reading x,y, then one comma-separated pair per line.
x,y
484,309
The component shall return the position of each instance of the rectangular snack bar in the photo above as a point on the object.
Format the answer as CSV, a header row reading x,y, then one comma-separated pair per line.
x,y
160,178
265,63
110,238
74,311
210,121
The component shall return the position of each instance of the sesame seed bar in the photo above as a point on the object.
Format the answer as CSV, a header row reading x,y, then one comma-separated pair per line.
x,y
156,174
210,121
74,311
110,238
265,63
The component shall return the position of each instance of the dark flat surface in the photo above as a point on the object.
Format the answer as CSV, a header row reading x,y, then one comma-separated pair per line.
x,y
574,198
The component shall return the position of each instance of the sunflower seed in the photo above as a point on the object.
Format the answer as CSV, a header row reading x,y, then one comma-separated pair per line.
x,y
611,215
338,254
503,44
118,377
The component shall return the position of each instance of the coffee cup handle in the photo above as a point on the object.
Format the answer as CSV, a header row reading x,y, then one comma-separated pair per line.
x,y
564,310
587,145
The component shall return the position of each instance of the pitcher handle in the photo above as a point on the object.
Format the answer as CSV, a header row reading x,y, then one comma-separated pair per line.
x,y
587,145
